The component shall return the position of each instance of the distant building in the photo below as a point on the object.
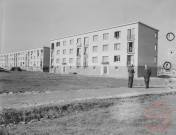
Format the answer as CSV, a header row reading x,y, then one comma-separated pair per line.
x,y
31,60
107,52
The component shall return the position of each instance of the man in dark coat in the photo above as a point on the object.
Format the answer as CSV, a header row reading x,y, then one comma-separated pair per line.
x,y
147,74
130,76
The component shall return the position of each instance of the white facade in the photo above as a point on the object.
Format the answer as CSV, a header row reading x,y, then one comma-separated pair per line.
x,y
29,59
104,52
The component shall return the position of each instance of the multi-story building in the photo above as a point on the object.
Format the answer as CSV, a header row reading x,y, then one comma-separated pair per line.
x,y
107,52
31,60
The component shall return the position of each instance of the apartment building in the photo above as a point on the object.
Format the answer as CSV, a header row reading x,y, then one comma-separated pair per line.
x,y
107,52
30,60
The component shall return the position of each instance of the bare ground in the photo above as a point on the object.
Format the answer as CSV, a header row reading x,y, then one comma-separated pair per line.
x,y
117,117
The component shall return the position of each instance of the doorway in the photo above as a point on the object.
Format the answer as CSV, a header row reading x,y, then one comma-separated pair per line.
x,y
105,70
64,69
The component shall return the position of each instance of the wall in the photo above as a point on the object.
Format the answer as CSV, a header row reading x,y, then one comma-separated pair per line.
x,y
146,49
22,59
46,57
121,72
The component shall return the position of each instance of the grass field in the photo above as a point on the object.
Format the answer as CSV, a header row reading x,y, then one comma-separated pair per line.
x,y
102,116
36,81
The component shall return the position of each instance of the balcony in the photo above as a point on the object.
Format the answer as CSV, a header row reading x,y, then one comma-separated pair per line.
x,y
86,44
85,64
130,47
78,55
85,54
105,62
130,50
52,55
78,64
78,44
64,63
129,63
131,37
52,46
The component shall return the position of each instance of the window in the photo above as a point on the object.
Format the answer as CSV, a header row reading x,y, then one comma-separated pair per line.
x,y
130,47
105,59
78,63
52,53
117,58
155,59
64,60
86,50
95,38
156,35
105,36
116,68
64,51
86,40
155,47
85,62
78,51
64,43
71,60
117,34
94,59
130,60
38,53
71,51
57,60
79,40
58,44
52,46
51,62
130,34
117,46
105,47
95,48
71,42
58,52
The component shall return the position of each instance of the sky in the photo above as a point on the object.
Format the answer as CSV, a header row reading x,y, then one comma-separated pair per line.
x,y
28,24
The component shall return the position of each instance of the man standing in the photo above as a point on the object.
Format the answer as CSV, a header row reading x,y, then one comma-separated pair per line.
x,y
130,76
147,74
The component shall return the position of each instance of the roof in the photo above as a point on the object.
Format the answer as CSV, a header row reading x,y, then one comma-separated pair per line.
x,y
148,26
106,29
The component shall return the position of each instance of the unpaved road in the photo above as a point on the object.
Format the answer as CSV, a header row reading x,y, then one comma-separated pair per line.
x,y
25,100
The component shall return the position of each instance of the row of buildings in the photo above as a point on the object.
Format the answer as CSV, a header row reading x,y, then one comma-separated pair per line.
x,y
30,60
103,52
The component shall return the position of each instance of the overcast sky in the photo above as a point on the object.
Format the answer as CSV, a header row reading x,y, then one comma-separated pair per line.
x,y
27,24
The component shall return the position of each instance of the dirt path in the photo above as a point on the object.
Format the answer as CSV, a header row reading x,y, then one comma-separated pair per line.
x,y
26,100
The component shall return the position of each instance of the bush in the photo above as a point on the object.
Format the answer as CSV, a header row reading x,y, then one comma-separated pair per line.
x,y
15,69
